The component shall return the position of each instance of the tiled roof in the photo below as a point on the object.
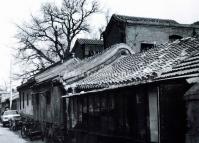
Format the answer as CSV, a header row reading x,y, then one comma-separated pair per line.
x,y
90,41
196,23
57,70
151,21
96,62
26,84
132,19
141,67
187,68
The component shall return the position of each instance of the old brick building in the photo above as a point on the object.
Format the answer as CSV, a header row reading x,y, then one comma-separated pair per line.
x,y
120,95
144,33
135,98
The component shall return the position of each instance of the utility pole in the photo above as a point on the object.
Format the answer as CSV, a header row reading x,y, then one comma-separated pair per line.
x,y
10,82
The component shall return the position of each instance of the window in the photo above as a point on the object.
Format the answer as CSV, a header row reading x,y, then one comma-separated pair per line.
x,y
146,46
48,97
37,99
174,37
20,100
32,97
23,99
91,53
86,52
27,99
10,112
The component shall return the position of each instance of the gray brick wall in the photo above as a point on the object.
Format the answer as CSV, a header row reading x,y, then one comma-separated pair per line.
x,y
137,34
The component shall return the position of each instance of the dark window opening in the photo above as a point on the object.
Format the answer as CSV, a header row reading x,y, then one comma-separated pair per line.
x,y
194,33
48,97
91,53
27,99
32,96
86,52
122,36
70,90
37,99
23,99
20,100
174,38
146,46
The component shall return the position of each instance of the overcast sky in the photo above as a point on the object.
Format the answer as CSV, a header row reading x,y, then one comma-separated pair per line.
x,y
17,11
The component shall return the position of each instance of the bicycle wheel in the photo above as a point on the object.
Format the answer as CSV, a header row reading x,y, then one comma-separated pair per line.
x,y
23,132
10,124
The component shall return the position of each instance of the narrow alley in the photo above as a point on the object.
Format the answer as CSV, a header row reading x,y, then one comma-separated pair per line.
x,y
7,136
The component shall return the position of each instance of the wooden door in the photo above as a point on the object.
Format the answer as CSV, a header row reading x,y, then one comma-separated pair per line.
x,y
172,113
142,127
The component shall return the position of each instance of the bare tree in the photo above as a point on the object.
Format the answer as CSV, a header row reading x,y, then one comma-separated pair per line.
x,y
47,39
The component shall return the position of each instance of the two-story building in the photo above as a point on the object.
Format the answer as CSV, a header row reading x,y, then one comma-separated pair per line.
x,y
144,33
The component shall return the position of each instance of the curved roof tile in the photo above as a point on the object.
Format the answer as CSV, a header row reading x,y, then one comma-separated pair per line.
x,y
57,70
99,61
152,64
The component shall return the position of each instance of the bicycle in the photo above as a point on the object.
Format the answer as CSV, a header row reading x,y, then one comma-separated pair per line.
x,y
35,131
26,125
15,125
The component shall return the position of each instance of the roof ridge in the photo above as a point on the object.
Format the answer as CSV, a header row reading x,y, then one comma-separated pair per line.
x,y
96,61
89,39
144,18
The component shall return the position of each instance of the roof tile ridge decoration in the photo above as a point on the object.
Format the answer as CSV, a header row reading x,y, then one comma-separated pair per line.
x,y
96,62
145,20
117,79
90,41
56,70
137,68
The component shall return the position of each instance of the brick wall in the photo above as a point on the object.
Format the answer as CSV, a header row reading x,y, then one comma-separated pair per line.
x,y
137,34
134,35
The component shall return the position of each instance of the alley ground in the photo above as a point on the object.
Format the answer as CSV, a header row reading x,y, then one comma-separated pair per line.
x,y
7,136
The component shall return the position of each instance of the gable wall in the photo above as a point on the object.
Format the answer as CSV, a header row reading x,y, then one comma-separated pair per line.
x,y
26,107
114,36
137,34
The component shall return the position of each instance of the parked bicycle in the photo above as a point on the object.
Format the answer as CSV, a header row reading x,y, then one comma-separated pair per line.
x,y
26,126
15,125
31,129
